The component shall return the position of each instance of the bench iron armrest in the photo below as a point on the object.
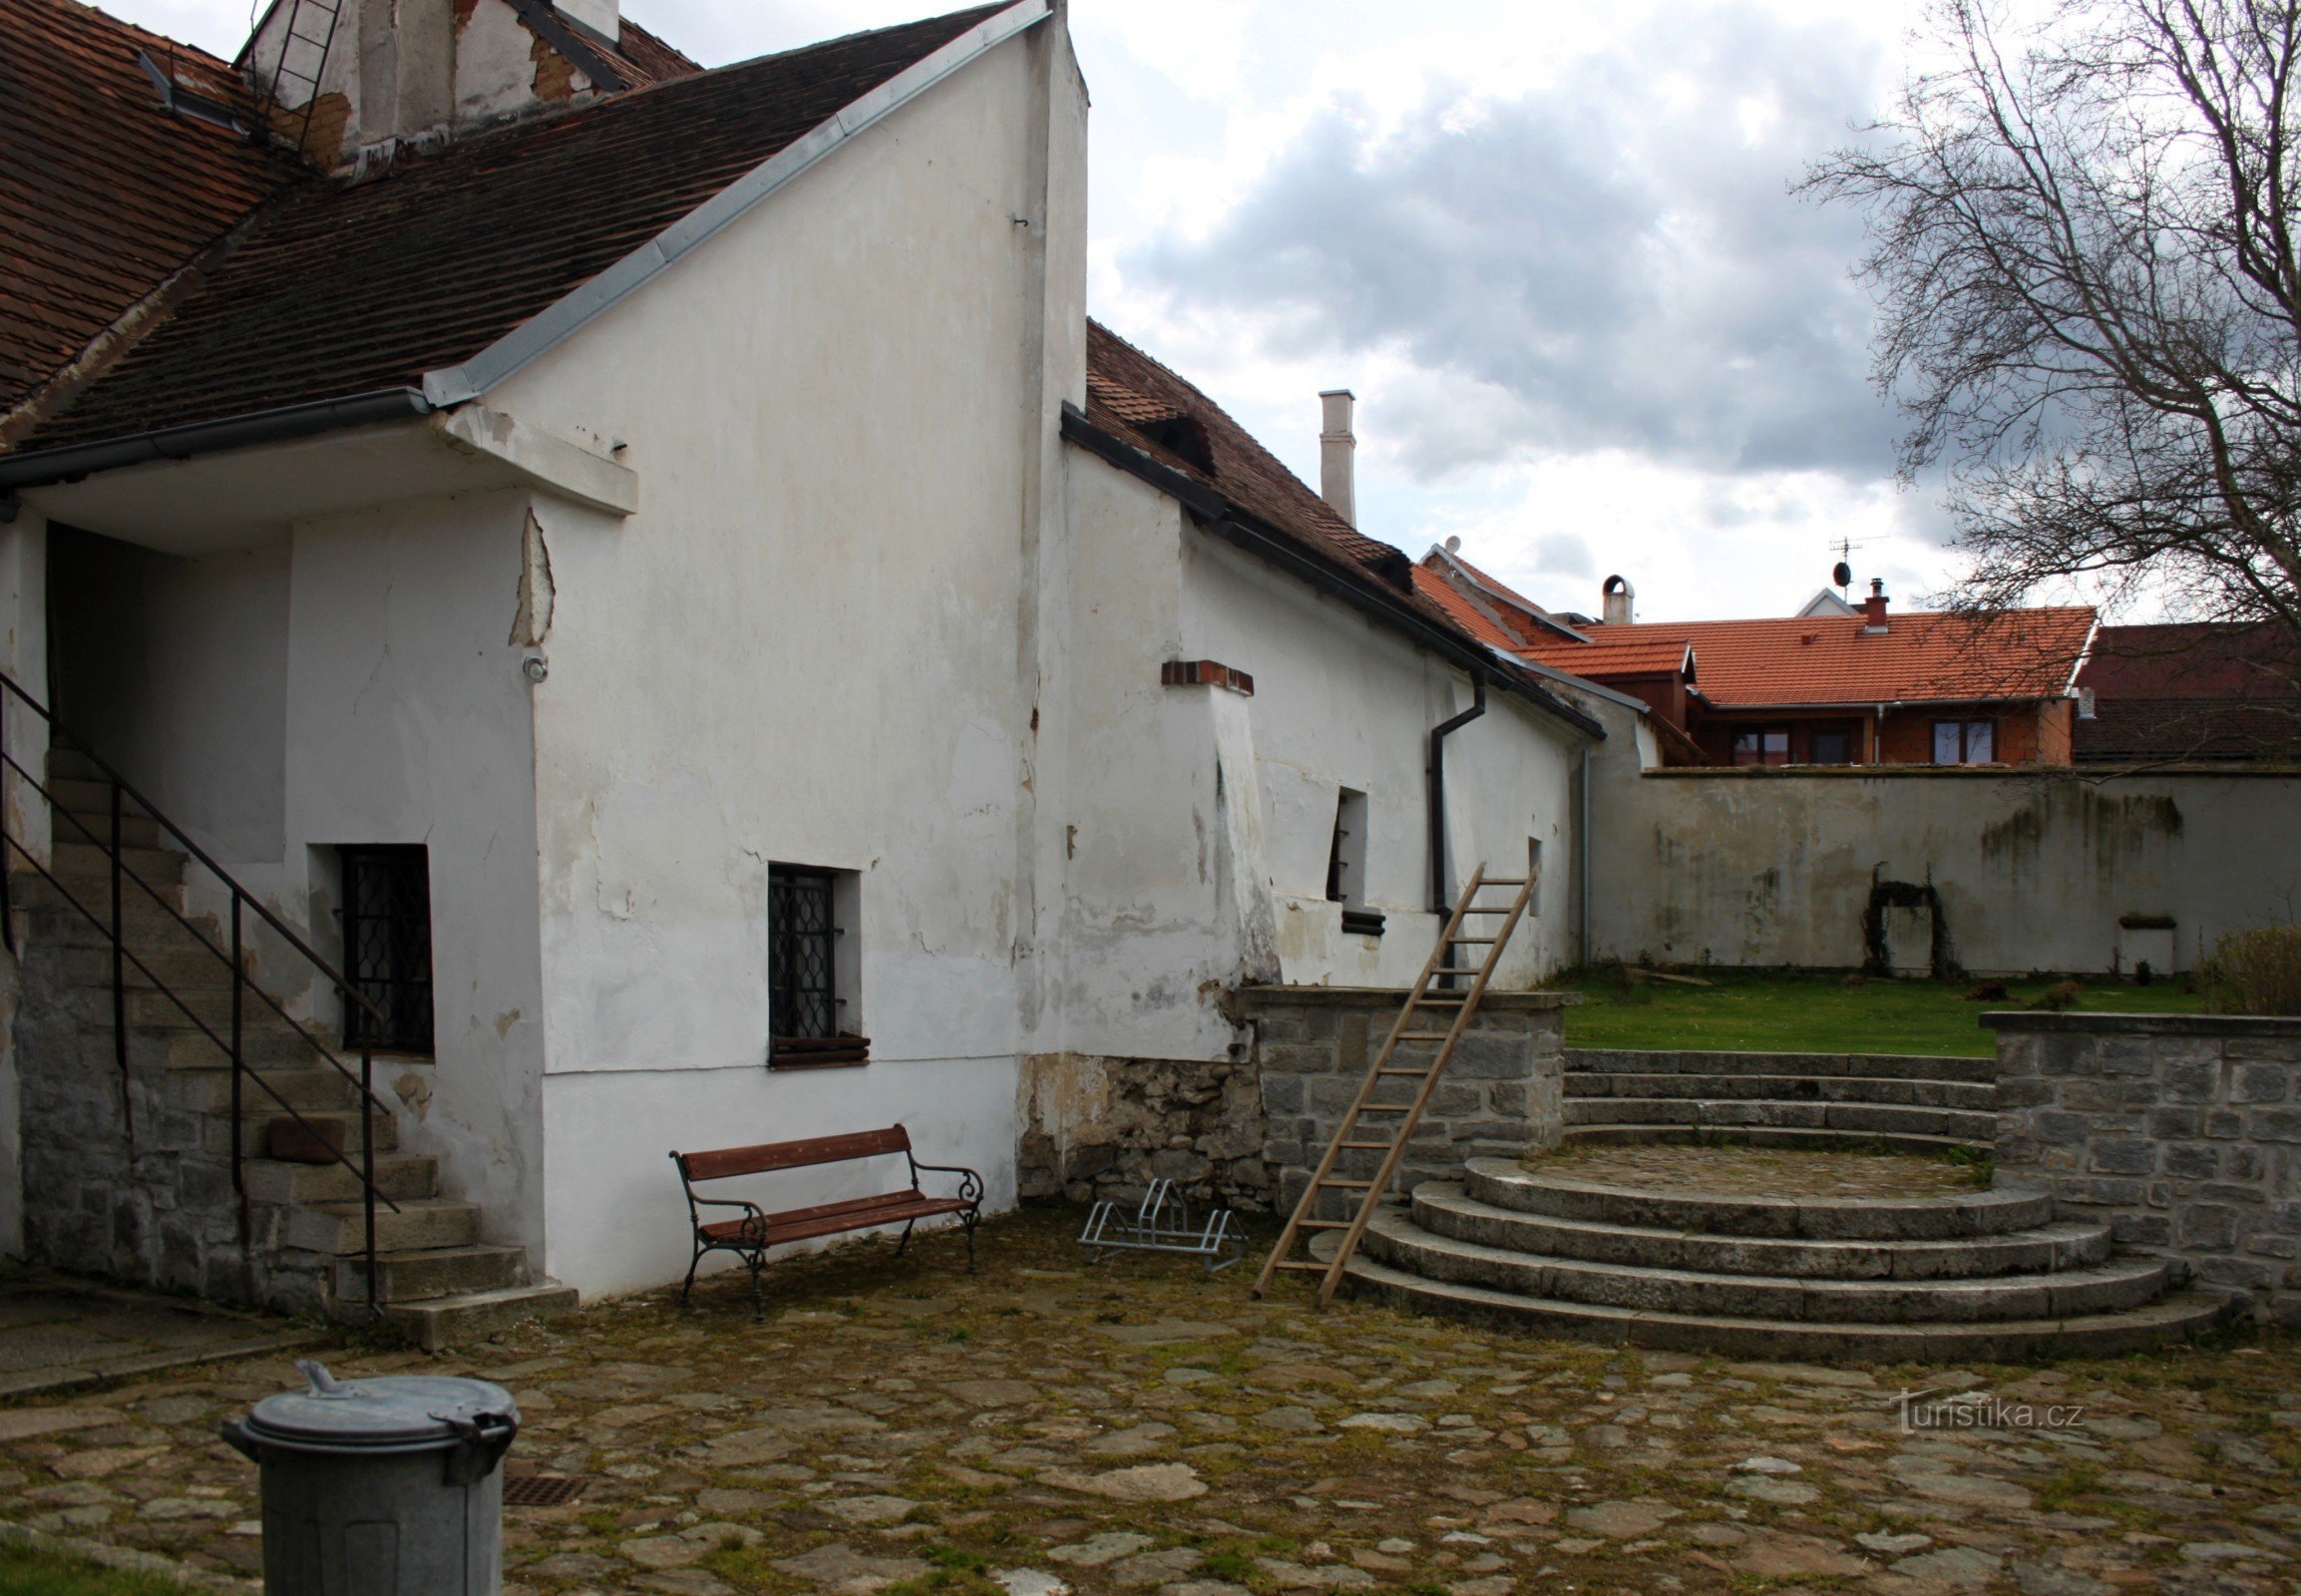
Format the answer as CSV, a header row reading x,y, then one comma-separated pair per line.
x,y
970,1188
758,1215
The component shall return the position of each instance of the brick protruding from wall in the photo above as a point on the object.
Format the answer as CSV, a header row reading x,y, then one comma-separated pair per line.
x,y
2185,1132
1206,673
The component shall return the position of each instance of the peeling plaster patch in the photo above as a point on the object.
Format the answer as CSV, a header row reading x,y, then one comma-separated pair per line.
x,y
505,1022
414,1088
539,596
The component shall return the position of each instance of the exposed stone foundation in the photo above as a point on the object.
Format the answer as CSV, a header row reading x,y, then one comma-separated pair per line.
x,y
2183,1132
1247,1132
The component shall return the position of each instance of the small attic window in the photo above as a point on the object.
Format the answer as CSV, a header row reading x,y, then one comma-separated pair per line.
x,y
185,102
1181,436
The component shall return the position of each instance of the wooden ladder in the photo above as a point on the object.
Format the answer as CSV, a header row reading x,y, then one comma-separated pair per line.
x,y
1425,1008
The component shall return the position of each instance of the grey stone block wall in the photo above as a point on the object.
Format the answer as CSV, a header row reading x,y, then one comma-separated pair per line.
x,y
1501,1097
2183,1132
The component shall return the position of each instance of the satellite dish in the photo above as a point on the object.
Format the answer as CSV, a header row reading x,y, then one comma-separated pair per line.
x,y
1841,573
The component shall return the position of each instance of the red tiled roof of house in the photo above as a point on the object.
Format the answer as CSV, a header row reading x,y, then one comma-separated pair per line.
x,y
105,192
651,60
351,290
1831,659
1663,653
1465,615
2194,660
1539,622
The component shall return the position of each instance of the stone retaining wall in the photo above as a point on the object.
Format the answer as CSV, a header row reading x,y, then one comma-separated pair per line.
x,y
1247,1132
1502,1095
2184,1131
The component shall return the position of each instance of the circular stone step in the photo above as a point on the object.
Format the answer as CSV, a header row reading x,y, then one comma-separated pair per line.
x,y
2169,1319
1396,1240
1769,1136
1736,1113
1444,1209
1897,1090
1505,1184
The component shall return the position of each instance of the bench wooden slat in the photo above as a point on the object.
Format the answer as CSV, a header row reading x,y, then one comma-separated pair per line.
x,y
781,1228
768,1156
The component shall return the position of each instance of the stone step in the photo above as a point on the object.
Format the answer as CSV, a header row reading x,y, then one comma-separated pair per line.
x,y
1444,1209
1873,1066
1970,1095
155,1011
207,1089
1852,1119
261,1110
1997,1211
77,861
336,1229
1830,1142
89,808
181,1046
1394,1239
61,920
397,1175
175,963
2159,1323
82,795
473,1316
431,1273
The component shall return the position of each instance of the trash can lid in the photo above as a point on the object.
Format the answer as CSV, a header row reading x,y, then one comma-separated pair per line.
x,y
391,1411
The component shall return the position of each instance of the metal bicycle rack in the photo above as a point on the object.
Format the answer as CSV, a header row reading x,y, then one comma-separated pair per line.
x,y
1162,1223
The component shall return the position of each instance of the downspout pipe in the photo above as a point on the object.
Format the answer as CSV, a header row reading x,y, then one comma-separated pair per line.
x,y
1582,866
1440,904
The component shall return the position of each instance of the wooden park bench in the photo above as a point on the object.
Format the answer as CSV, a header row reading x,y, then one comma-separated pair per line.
x,y
750,1236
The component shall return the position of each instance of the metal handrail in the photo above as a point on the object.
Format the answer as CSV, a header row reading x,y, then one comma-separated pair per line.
x,y
236,961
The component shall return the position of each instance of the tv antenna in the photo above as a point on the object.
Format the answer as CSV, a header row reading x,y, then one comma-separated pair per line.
x,y
1842,573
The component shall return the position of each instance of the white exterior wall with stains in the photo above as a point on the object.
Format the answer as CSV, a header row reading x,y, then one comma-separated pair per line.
x,y
1198,820
805,648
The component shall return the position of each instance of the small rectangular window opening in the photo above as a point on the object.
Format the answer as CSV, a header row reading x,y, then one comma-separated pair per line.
x,y
1831,747
1534,875
811,968
1762,745
387,939
1347,857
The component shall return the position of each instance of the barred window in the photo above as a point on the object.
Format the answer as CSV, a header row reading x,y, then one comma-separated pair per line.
x,y
387,939
809,1015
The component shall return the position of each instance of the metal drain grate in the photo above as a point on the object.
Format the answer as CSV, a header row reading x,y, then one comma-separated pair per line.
x,y
541,1490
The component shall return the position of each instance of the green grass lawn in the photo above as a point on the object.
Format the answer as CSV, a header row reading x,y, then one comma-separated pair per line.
x,y
1820,1014
25,1572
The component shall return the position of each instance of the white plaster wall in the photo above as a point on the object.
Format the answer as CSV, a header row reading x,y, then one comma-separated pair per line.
x,y
804,647
408,721
2033,868
1341,702
1182,878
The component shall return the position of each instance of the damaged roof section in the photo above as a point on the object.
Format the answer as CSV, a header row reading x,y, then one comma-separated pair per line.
x,y
354,290
1142,417
107,193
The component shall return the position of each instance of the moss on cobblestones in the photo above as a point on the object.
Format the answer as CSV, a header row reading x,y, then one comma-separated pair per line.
x,y
897,1425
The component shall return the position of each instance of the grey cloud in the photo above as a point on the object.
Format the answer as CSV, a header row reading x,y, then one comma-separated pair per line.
x,y
1562,554
1615,263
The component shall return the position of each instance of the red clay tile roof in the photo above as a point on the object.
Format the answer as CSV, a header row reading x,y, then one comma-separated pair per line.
x,y
104,193
1539,623
1123,383
2194,660
1829,659
348,291
1465,615
650,58
1665,652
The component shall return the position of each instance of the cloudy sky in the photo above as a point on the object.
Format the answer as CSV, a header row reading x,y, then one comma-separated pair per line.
x,y
1550,246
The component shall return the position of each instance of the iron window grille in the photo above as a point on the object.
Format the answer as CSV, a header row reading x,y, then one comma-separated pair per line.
x,y
803,1000
387,938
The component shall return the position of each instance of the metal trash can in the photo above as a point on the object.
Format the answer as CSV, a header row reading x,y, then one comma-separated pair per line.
x,y
381,1488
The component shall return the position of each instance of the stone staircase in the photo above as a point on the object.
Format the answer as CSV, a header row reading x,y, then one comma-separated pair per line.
x,y
1985,1274
135,1173
1905,1104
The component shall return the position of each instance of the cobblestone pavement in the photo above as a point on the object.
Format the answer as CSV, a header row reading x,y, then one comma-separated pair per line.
x,y
1762,1171
900,1424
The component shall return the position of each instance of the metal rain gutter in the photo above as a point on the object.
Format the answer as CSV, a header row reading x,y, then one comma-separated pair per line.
x,y
73,460
563,317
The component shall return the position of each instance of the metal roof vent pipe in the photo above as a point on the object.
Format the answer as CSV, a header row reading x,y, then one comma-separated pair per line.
x,y
1873,608
1619,602
1337,451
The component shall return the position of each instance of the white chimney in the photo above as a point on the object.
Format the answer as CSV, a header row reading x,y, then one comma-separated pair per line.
x,y
1620,601
1337,447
